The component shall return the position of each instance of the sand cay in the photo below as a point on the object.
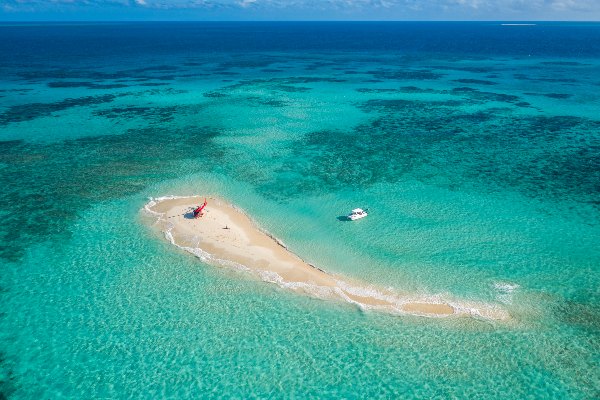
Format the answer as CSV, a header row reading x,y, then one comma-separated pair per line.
x,y
226,236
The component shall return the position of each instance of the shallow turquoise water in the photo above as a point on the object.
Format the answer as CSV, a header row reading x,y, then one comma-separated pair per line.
x,y
480,173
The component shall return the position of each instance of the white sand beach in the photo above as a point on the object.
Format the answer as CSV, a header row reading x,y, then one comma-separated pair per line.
x,y
224,235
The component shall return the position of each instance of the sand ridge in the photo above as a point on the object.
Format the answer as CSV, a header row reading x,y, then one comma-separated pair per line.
x,y
226,235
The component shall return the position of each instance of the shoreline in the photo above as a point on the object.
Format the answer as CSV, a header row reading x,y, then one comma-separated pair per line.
x,y
226,236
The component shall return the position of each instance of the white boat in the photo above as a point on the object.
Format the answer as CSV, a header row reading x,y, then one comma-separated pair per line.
x,y
357,213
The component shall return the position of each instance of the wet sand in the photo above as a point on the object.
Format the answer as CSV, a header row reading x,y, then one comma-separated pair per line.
x,y
224,235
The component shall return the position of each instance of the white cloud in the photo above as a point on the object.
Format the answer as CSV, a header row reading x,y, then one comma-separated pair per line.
x,y
387,9
246,3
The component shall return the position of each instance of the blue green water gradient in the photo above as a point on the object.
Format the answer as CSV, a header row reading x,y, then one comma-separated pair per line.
x,y
475,146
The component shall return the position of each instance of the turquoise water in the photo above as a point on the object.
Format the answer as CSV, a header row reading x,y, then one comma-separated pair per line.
x,y
477,152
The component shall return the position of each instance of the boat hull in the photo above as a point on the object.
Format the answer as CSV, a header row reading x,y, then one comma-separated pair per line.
x,y
355,217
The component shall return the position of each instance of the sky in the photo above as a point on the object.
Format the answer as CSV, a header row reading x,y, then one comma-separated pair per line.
x,y
260,10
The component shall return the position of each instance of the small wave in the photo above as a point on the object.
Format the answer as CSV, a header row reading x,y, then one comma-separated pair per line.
x,y
155,200
506,286
505,291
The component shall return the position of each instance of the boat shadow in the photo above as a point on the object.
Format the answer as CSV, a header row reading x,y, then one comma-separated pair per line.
x,y
343,218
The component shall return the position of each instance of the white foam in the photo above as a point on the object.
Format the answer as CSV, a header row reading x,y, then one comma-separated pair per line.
x,y
505,291
506,286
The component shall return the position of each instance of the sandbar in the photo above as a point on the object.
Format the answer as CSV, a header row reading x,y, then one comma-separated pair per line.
x,y
226,236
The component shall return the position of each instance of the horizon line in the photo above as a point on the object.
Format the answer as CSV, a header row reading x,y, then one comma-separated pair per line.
x,y
291,20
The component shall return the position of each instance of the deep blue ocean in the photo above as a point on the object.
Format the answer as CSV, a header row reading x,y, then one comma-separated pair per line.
x,y
475,146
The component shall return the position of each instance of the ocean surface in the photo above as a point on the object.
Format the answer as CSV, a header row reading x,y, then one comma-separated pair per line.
x,y
475,147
